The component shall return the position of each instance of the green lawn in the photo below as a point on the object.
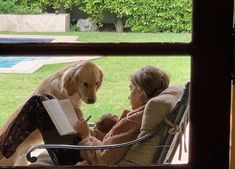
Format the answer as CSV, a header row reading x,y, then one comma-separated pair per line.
x,y
113,95
131,37
117,37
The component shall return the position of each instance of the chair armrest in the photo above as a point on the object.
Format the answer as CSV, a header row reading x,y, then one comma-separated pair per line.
x,y
33,159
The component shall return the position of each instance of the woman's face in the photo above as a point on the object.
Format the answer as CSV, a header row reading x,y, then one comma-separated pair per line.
x,y
135,97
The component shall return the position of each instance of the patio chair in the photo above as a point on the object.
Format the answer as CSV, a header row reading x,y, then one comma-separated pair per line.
x,y
164,120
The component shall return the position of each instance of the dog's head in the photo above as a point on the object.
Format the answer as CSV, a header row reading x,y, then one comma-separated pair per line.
x,y
83,78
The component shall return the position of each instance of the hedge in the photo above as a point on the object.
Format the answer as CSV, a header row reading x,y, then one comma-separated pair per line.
x,y
137,15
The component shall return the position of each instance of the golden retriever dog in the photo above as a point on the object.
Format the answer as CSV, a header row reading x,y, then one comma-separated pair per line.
x,y
78,82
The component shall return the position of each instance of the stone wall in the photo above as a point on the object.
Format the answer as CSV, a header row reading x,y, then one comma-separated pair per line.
x,y
35,23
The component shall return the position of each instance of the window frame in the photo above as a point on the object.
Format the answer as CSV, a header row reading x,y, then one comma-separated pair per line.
x,y
211,67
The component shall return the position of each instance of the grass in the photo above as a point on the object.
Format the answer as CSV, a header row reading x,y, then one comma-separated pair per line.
x,y
113,95
117,37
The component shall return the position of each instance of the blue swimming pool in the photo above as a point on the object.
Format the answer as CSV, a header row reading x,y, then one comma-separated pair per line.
x,y
8,62
25,40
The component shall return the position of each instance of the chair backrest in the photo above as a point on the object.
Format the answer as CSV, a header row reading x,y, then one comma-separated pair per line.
x,y
178,121
157,109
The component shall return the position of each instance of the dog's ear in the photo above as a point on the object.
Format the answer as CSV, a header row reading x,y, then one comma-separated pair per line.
x,y
101,78
68,82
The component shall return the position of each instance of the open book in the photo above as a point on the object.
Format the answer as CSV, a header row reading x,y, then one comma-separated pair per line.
x,y
62,114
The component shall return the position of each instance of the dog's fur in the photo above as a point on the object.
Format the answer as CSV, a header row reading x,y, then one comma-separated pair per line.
x,y
78,82
106,122
104,125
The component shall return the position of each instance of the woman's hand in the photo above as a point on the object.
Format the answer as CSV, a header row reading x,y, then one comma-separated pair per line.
x,y
82,128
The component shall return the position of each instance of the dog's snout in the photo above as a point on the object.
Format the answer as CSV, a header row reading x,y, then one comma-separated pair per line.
x,y
90,100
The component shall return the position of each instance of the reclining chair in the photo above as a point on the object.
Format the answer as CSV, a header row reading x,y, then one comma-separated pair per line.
x,y
163,124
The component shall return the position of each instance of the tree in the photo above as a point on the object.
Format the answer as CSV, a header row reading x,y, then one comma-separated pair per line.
x,y
94,8
62,5
58,5
143,15
121,8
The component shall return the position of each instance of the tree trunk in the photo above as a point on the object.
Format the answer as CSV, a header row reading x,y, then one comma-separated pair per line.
x,y
119,25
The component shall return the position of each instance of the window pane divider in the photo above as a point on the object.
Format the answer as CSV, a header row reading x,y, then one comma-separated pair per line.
x,y
97,48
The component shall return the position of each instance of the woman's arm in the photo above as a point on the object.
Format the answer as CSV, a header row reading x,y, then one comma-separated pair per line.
x,y
126,129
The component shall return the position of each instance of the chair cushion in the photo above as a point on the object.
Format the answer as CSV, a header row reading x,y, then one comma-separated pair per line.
x,y
156,109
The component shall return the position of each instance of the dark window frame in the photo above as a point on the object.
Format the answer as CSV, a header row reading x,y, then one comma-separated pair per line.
x,y
211,55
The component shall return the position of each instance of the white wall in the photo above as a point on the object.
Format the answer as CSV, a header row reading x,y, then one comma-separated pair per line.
x,y
35,23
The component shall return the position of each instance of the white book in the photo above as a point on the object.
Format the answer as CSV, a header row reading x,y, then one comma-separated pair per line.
x,y
62,114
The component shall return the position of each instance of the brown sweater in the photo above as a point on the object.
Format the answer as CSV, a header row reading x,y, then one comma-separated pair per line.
x,y
126,129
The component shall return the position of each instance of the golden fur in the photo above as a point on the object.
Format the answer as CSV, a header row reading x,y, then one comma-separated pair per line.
x,y
104,125
78,82
106,122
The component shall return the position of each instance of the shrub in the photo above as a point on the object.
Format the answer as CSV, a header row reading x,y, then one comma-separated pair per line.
x,y
7,6
60,5
95,8
20,7
144,15
160,16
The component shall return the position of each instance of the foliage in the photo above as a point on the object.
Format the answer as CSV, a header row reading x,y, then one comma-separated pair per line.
x,y
61,5
95,8
20,7
7,6
35,6
73,28
119,7
29,6
160,16
98,8
144,15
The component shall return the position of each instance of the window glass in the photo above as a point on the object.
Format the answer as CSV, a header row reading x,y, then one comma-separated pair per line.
x,y
112,97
